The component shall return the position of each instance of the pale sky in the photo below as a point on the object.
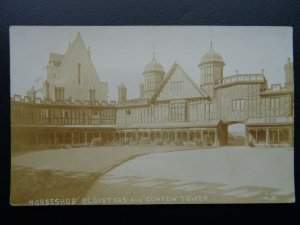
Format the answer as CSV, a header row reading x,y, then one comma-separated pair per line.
x,y
120,53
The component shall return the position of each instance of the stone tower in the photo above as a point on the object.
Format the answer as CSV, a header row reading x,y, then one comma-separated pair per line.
x,y
211,70
289,74
153,76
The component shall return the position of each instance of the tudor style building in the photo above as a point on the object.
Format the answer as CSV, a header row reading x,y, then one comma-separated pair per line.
x,y
73,75
171,108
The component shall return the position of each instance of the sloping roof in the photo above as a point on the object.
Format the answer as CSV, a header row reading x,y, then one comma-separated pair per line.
x,y
77,41
169,75
270,121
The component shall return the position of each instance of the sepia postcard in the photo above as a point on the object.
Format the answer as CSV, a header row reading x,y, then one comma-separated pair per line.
x,y
127,115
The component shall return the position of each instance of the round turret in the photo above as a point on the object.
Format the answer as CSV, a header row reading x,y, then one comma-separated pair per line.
x,y
153,66
153,76
211,66
211,57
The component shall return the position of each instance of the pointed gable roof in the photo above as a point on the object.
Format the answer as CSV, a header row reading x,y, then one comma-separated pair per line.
x,y
167,78
77,42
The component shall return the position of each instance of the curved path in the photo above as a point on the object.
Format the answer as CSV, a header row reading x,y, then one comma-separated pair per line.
x,y
220,175
62,174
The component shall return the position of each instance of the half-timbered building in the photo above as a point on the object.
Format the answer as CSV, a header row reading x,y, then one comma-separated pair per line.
x,y
171,108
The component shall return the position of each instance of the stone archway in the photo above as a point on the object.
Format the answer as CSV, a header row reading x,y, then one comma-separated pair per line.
x,y
236,134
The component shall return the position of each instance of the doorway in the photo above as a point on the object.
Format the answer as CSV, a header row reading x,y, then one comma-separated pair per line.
x,y
236,134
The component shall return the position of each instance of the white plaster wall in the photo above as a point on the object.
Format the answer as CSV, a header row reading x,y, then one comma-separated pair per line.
x,y
189,90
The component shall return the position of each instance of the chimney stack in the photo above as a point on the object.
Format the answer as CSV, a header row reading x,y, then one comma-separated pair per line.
x,y
122,93
289,74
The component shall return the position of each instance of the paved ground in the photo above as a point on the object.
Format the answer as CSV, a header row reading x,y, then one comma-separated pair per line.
x,y
67,173
236,175
114,175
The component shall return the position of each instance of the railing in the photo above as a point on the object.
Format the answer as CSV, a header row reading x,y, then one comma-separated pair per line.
x,y
134,102
28,99
240,78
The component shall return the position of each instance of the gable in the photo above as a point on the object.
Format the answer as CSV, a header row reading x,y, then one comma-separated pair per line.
x,y
77,73
177,85
75,55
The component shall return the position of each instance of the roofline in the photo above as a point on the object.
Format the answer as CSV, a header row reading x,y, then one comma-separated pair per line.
x,y
167,77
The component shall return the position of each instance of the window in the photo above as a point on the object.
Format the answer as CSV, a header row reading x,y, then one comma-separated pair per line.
x,y
148,111
242,101
92,95
44,113
274,103
233,105
209,78
43,116
66,114
178,111
107,117
275,106
208,107
96,115
208,74
238,105
177,86
151,82
128,111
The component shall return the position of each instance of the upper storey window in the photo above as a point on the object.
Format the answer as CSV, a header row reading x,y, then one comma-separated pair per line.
x,y
151,83
178,111
208,74
208,78
177,86
238,105
92,95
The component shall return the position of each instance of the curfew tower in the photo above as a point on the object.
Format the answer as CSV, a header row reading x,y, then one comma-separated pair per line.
x,y
211,70
153,76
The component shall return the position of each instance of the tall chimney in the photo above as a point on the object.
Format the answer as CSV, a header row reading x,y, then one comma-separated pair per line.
x,y
122,93
142,91
289,74
46,90
31,93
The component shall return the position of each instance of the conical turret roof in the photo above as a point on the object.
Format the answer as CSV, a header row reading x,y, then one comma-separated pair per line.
x,y
153,66
211,56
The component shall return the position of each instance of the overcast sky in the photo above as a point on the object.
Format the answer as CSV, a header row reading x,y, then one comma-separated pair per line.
x,y
121,53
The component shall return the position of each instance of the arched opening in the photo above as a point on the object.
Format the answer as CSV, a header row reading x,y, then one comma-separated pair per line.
x,y
236,134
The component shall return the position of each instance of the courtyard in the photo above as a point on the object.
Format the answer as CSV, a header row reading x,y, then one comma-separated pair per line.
x,y
154,175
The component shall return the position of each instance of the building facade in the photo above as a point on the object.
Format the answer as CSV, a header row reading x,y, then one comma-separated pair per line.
x,y
73,75
171,108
